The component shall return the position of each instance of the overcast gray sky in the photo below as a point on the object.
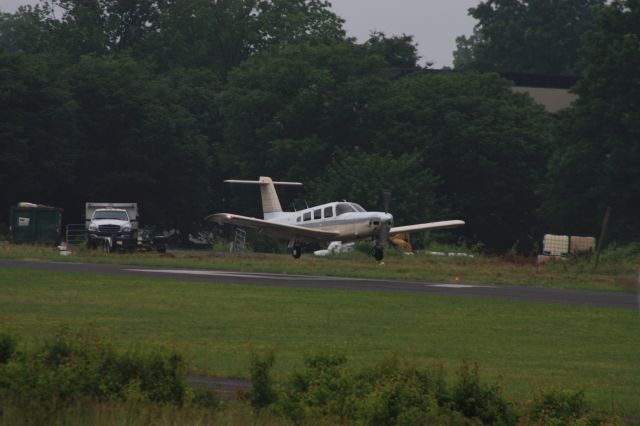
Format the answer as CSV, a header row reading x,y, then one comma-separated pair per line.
x,y
435,24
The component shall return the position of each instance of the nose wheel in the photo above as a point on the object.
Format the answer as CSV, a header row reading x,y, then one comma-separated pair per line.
x,y
377,253
296,251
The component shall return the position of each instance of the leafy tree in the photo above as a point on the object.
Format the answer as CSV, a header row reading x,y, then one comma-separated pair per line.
x,y
196,90
541,36
282,22
222,34
398,51
37,131
101,26
175,33
84,27
595,163
201,34
487,145
138,142
29,30
286,110
361,177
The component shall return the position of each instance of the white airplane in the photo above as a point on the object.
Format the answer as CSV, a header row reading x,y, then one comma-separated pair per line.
x,y
341,220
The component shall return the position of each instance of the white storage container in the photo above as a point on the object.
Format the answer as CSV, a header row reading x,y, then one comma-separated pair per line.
x,y
555,245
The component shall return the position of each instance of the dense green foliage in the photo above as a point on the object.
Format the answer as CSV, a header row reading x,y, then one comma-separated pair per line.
x,y
596,163
73,368
158,101
394,392
541,36
487,146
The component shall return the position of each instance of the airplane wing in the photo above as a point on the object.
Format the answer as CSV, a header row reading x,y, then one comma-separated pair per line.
x,y
272,228
425,226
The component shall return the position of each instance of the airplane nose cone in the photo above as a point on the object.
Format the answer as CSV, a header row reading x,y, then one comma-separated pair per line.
x,y
380,218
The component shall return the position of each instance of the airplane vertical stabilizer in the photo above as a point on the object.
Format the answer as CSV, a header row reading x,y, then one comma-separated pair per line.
x,y
270,203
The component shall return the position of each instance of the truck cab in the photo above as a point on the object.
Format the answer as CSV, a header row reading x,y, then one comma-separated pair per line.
x,y
113,225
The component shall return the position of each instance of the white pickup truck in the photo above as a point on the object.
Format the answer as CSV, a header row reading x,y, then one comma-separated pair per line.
x,y
112,225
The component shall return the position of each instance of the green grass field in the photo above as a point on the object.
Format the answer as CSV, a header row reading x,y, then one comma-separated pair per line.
x,y
617,270
526,346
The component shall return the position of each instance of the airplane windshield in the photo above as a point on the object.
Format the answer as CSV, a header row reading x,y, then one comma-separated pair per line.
x,y
358,207
342,208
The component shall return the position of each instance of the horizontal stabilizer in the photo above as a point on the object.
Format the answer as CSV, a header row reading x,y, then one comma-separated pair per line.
x,y
270,202
260,182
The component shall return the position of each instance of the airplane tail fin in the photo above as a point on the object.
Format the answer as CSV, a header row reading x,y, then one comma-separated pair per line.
x,y
270,202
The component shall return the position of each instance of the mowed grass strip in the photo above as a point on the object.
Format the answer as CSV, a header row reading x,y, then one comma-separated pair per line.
x,y
617,270
526,346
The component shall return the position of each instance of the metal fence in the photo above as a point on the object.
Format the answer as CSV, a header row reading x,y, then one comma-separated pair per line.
x,y
76,234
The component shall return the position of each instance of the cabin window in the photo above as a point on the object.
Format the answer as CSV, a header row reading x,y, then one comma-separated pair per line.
x,y
328,212
306,216
299,218
342,208
317,214
358,207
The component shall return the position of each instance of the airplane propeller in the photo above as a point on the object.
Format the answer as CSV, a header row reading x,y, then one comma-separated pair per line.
x,y
386,196
382,237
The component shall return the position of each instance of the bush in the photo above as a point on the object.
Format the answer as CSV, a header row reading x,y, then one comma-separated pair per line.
x,y
558,407
8,343
73,366
325,389
262,393
390,393
618,255
476,400
398,394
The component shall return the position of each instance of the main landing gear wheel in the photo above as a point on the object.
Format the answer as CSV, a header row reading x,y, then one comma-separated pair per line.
x,y
296,251
377,253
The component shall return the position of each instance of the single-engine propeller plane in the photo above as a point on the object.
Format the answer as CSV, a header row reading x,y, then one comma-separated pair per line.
x,y
340,220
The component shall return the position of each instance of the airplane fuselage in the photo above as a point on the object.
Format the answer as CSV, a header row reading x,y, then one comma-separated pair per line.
x,y
349,220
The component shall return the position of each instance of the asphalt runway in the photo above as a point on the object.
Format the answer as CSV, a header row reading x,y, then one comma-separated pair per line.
x,y
605,299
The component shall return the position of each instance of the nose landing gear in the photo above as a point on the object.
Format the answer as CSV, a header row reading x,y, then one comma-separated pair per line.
x,y
296,251
377,253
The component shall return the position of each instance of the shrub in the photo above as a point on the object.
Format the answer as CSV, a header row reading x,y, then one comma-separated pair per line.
x,y
73,366
396,393
558,407
476,400
325,389
160,374
262,393
8,343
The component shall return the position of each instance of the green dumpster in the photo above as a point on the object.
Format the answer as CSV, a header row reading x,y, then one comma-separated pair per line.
x,y
34,223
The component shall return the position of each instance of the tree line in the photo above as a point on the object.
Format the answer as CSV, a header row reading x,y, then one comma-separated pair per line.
x,y
158,101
